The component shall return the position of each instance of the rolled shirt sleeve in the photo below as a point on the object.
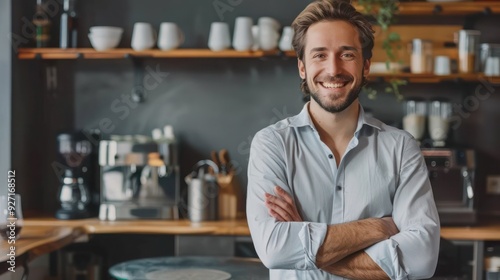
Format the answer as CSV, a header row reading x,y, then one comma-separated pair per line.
x,y
280,245
413,252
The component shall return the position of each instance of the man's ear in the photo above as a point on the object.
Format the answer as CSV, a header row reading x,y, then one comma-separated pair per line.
x,y
366,67
302,68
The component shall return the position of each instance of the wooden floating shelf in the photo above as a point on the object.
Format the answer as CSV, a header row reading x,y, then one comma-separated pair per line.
x,y
446,8
431,78
89,53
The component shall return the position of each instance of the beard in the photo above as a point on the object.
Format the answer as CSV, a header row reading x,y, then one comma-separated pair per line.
x,y
352,95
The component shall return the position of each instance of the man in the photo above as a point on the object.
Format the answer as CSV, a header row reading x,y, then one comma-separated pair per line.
x,y
332,193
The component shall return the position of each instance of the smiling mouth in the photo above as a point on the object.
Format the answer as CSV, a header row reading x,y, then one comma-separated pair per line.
x,y
333,85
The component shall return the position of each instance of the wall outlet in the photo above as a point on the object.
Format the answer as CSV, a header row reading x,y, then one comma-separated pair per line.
x,y
493,185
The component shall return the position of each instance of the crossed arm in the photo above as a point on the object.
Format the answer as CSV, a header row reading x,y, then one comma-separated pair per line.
x,y
342,250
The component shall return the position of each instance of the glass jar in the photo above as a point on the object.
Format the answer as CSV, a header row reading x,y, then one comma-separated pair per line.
x,y
421,56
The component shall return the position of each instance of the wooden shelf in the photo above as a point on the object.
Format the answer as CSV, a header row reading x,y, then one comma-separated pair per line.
x,y
89,53
447,8
431,78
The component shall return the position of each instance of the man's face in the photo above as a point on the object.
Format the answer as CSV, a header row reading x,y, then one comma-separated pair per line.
x,y
333,64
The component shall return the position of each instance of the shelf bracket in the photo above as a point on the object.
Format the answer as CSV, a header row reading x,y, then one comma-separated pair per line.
x,y
138,94
437,9
487,11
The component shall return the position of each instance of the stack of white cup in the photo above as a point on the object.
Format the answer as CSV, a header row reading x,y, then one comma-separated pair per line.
x,y
268,33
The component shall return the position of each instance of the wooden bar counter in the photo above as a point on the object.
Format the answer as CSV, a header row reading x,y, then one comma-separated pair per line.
x,y
41,236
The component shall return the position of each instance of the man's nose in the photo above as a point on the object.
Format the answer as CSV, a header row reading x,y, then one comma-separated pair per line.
x,y
333,66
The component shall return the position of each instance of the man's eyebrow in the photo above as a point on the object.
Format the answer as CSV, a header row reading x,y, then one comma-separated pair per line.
x,y
344,48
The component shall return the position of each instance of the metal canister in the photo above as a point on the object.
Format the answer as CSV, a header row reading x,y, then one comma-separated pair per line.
x,y
203,193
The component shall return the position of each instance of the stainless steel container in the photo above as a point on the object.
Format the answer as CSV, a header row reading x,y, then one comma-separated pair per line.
x,y
203,193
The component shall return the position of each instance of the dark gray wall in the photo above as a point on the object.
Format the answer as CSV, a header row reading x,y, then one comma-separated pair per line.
x,y
5,88
212,103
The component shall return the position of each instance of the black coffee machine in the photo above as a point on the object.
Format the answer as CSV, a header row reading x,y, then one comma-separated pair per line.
x,y
76,169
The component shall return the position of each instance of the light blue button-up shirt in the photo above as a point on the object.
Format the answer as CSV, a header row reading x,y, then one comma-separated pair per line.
x,y
382,173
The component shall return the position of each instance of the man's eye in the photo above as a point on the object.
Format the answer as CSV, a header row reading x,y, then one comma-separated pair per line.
x,y
348,55
319,55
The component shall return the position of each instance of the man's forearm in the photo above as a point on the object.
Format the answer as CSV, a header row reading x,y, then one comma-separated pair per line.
x,y
342,240
357,266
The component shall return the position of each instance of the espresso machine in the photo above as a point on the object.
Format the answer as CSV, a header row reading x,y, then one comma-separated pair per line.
x,y
139,178
451,173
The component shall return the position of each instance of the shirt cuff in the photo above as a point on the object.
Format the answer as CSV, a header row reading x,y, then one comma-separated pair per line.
x,y
311,236
385,254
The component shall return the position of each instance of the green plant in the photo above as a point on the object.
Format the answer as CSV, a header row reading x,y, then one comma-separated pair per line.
x,y
384,12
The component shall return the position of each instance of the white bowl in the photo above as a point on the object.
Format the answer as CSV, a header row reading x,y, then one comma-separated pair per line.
x,y
106,31
102,43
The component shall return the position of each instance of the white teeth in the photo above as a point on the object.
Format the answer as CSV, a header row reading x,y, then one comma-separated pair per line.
x,y
333,85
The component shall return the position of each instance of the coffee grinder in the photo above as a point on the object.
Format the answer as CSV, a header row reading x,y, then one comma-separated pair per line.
x,y
75,171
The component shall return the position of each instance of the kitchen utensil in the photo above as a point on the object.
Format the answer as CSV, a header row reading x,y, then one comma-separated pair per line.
x,y
203,192
215,158
225,162
11,216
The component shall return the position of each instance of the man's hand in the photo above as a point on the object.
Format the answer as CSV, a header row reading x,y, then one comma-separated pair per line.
x,y
282,207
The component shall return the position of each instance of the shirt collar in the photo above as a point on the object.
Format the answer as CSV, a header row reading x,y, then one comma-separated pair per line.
x,y
304,119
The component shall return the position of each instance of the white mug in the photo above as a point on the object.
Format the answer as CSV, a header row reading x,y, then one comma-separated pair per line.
x,y
143,36
285,43
269,22
170,36
442,65
492,66
219,38
255,35
268,39
242,37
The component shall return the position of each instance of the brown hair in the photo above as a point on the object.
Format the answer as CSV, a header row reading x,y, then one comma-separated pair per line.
x,y
325,10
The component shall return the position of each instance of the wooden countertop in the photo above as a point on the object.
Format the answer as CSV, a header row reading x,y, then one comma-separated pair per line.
x,y
35,241
185,227
40,236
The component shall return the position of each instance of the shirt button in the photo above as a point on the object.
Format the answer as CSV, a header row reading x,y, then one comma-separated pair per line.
x,y
330,156
339,188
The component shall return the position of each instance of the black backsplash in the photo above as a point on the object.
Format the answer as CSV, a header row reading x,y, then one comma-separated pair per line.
x,y
211,103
